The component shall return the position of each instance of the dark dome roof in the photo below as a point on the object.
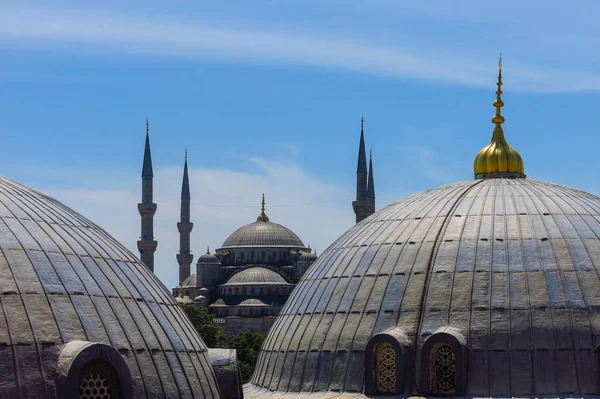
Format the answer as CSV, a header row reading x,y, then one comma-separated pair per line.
x,y
65,280
256,275
511,265
252,302
208,258
263,234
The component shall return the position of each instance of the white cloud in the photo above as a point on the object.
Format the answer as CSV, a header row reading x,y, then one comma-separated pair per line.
x,y
222,201
114,32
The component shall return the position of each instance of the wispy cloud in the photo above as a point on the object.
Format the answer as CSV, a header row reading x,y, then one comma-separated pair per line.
x,y
222,201
101,32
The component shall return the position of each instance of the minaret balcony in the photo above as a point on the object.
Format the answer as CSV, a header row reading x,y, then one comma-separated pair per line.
x,y
185,259
185,227
147,209
147,245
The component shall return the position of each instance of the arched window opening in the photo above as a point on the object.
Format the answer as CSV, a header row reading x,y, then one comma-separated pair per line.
x,y
243,257
444,370
284,256
385,368
99,381
274,256
252,256
264,256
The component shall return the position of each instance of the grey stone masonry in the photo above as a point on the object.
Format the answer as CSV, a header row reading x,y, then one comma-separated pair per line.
x,y
184,257
147,208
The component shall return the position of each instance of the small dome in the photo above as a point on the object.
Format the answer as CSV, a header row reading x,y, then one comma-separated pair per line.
x,y
256,275
253,302
200,298
218,303
263,234
208,258
190,281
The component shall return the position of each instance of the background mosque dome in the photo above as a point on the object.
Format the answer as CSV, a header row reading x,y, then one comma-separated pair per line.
x,y
208,258
190,281
263,234
252,302
71,292
256,275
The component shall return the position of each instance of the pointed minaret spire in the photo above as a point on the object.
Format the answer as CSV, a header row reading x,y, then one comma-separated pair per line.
x,y
362,207
371,186
147,166
184,257
147,208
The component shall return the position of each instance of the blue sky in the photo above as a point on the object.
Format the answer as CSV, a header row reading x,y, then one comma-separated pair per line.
x,y
267,96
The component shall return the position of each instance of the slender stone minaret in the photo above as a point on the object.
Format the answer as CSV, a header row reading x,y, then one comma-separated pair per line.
x,y
147,208
363,206
371,185
184,257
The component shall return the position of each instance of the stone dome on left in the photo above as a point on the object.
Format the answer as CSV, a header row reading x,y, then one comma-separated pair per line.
x,y
73,296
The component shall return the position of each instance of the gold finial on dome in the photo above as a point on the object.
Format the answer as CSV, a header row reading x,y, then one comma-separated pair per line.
x,y
498,158
263,216
208,250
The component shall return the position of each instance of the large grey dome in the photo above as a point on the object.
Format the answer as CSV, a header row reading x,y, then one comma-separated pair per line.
x,y
70,292
263,234
508,268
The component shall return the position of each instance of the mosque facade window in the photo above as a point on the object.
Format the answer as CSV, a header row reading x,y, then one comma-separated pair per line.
x,y
385,368
442,365
388,364
444,370
99,381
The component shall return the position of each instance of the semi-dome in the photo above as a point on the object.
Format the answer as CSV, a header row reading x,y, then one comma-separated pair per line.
x,y
510,265
190,281
256,275
252,302
308,257
78,306
263,233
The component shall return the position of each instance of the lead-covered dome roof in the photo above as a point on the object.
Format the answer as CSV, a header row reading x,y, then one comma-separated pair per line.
x,y
510,265
256,275
263,234
65,280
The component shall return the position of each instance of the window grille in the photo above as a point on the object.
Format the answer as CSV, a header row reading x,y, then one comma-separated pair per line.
x,y
386,368
95,386
445,370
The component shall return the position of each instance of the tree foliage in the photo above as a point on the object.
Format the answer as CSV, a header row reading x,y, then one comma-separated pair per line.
x,y
210,332
247,343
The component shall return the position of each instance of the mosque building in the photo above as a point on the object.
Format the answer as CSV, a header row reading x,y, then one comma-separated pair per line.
x,y
476,289
246,281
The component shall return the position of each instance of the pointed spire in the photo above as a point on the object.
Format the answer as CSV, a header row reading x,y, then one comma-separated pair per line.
x,y
263,216
185,185
371,184
362,158
147,166
498,119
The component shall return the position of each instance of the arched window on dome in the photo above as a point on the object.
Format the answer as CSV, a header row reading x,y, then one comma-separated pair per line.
x,y
252,256
388,359
243,257
442,364
274,256
90,370
264,256
284,256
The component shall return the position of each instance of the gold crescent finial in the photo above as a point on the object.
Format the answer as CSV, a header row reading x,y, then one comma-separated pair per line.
x,y
147,126
208,250
263,216
362,122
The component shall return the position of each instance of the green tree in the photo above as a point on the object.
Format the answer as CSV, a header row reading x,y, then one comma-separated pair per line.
x,y
248,345
210,332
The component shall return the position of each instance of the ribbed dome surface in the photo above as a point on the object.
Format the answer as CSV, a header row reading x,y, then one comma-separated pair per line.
x,y
263,234
208,259
256,275
63,279
252,302
510,264
190,281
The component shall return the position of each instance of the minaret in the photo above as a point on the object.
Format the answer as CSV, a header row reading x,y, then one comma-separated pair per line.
x,y
147,245
371,185
184,257
362,207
